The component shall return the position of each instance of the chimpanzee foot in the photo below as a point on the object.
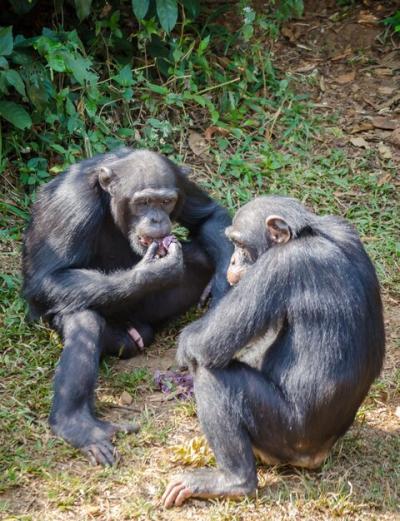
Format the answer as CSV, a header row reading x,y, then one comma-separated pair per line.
x,y
93,437
127,343
206,484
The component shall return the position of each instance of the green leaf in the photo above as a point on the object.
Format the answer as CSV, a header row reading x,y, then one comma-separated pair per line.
x,y
15,114
79,67
203,45
13,78
56,61
124,77
192,8
157,88
3,63
6,41
167,11
82,8
140,8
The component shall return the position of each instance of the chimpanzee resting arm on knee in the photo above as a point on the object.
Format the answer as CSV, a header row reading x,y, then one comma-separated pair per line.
x,y
101,265
287,399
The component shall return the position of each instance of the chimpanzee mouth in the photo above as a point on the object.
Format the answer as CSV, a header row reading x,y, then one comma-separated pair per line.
x,y
146,241
163,243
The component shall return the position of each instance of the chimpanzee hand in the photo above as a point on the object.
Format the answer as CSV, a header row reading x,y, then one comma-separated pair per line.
x,y
187,355
163,269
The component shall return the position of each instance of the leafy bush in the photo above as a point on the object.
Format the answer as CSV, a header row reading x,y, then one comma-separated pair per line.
x,y
393,22
67,93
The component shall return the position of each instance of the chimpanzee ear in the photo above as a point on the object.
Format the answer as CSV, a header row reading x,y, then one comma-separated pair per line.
x,y
278,229
105,176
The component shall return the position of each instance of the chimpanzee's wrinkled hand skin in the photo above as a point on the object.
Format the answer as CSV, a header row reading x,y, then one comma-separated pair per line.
x,y
165,270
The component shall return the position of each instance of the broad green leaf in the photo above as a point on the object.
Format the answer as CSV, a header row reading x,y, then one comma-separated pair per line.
x,y
56,61
13,78
192,8
79,67
167,11
124,77
15,114
3,63
6,41
158,88
83,8
140,8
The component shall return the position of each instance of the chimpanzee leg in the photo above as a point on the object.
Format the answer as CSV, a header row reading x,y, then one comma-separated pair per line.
x,y
72,414
164,305
222,407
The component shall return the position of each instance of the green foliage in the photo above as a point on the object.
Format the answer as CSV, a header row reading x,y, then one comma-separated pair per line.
x,y
167,11
393,22
83,8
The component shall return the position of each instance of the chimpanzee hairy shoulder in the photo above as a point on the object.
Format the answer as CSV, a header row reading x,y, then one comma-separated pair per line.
x,y
283,362
100,265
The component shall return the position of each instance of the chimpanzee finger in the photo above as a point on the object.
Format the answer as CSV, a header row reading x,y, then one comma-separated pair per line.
x,y
174,252
151,251
102,453
184,494
171,493
205,295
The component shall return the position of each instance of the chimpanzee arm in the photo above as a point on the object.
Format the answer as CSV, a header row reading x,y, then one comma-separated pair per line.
x,y
258,302
207,220
71,289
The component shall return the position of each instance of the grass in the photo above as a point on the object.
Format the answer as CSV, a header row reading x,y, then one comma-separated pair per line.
x,y
284,145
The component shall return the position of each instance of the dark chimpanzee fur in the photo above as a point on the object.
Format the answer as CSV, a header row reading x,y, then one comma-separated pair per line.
x,y
285,359
91,268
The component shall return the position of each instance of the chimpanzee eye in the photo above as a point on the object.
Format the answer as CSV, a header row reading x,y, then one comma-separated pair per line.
x,y
166,202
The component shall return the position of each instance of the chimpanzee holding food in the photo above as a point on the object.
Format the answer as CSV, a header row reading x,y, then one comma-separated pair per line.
x,y
100,265
285,359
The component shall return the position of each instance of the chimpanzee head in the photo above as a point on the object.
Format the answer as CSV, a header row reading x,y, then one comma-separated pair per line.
x,y
264,223
144,196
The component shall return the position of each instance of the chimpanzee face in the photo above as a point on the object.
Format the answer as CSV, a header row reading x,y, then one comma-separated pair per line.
x,y
252,233
143,197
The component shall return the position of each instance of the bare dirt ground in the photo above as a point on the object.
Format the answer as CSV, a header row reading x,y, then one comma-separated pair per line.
x,y
343,60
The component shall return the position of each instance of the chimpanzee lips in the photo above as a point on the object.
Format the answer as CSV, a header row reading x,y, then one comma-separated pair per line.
x,y
163,244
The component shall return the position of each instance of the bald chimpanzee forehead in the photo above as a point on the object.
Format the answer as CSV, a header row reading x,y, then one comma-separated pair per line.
x,y
144,169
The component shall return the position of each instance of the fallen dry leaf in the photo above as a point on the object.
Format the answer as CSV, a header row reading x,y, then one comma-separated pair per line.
x,y
384,151
289,34
342,55
361,127
306,67
394,137
384,71
125,398
210,131
385,123
197,143
359,142
346,78
365,17
385,178
196,452
386,91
